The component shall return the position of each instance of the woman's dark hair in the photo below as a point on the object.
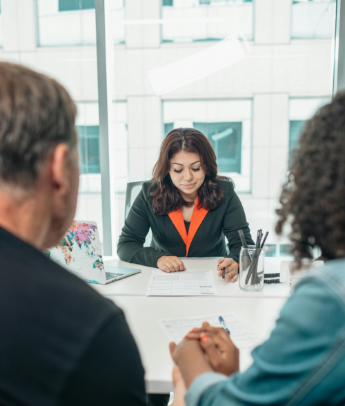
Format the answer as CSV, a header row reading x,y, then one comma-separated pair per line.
x,y
314,195
166,197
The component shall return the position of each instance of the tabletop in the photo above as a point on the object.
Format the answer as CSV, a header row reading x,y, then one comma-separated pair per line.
x,y
259,310
142,314
136,285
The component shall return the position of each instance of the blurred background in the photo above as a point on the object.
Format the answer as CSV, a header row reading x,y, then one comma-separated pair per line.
x,y
252,109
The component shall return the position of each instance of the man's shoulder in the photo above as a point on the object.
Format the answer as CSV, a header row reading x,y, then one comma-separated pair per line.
x,y
30,274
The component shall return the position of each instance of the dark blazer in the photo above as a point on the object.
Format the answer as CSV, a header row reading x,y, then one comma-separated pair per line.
x,y
167,236
61,343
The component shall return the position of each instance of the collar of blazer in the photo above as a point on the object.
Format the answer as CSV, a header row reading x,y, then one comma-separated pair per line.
x,y
199,213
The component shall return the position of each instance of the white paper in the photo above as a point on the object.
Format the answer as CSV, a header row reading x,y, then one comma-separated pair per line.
x,y
241,335
193,282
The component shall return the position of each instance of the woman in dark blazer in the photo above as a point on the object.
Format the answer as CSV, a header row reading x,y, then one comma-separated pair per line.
x,y
189,209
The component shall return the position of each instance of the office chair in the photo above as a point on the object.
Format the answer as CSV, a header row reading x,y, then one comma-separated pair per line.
x,y
132,191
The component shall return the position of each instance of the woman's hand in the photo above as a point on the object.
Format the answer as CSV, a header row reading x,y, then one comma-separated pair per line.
x,y
170,264
190,359
222,353
231,268
179,386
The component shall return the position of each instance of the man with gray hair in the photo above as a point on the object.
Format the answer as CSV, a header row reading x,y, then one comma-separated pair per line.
x,y
61,342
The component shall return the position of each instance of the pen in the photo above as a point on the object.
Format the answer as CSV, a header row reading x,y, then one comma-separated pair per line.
x,y
223,275
221,321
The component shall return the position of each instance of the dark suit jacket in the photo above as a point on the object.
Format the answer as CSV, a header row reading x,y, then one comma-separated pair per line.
x,y
61,343
167,232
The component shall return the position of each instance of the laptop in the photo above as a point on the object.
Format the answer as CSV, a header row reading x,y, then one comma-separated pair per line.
x,y
80,253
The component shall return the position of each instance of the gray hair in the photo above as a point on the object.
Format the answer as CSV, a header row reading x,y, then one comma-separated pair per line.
x,y
36,114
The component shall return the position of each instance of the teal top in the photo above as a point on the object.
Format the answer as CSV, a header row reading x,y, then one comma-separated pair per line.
x,y
303,361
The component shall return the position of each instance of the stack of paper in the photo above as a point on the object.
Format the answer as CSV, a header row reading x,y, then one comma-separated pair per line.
x,y
193,282
241,335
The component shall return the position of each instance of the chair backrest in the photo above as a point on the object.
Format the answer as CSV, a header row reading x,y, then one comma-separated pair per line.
x,y
132,191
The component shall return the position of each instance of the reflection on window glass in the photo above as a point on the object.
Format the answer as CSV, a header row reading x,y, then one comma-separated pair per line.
x,y
313,19
278,250
226,140
66,5
89,149
227,125
296,127
300,111
270,250
187,20
72,22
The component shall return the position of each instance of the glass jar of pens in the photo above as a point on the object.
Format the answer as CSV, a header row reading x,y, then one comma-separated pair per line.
x,y
252,258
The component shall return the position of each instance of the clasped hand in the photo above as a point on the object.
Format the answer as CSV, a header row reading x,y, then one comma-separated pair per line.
x,y
203,350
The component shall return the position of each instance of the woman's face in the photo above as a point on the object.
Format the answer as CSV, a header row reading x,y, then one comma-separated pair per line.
x,y
186,173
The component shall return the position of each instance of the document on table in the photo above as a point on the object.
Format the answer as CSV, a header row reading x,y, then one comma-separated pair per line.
x,y
241,335
193,282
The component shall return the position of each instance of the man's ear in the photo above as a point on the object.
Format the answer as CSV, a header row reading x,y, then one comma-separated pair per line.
x,y
59,169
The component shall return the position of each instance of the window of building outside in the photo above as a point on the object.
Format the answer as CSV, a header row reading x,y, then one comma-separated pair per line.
x,y
299,112
72,22
226,124
313,19
206,20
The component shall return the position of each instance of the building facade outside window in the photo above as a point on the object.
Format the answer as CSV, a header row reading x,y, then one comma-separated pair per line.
x,y
299,112
72,22
206,20
252,110
313,19
227,125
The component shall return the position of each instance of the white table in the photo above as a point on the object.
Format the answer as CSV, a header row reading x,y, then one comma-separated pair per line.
x,y
257,309
143,313
136,285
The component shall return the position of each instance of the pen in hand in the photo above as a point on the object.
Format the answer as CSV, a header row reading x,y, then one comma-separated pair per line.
x,y
222,322
223,274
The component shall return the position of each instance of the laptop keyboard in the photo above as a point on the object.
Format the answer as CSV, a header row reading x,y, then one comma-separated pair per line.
x,y
110,275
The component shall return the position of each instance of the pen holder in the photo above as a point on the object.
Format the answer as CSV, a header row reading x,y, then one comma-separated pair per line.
x,y
252,268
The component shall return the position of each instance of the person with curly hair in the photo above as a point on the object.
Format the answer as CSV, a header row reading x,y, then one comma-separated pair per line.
x,y
303,361
189,208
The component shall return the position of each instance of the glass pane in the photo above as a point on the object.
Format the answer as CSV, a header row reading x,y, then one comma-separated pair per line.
x,y
67,5
206,20
300,111
230,70
313,19
228,128
72,22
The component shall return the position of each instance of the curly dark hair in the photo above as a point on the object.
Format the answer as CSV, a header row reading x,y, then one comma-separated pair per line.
x,y
166,197
313,196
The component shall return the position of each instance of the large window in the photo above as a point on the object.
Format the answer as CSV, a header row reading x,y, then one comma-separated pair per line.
x,y
206,20
227,125
251,97
72,22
